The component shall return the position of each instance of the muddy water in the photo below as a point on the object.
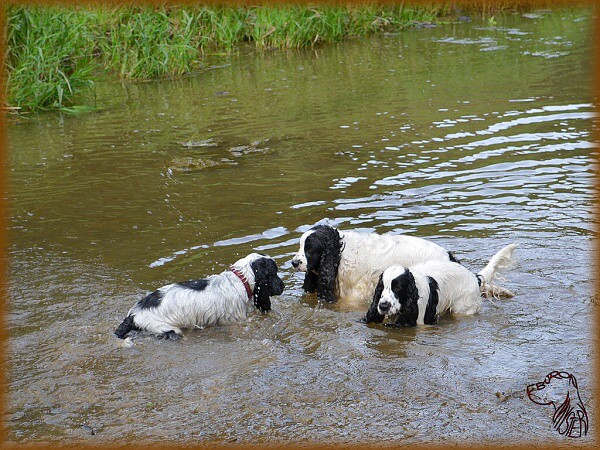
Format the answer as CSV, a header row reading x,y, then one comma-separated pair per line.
x,y
471,135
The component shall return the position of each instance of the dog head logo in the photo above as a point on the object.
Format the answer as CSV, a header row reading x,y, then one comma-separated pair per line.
x,y
559,389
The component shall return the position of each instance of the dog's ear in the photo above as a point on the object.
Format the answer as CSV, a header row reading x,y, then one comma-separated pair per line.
x,y
330,261
310,282
262,300
431,309
260,294
405,290
373,315
266,283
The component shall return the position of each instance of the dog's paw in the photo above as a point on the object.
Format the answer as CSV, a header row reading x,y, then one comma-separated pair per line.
x,y
127,342
170,335
326,298
400,325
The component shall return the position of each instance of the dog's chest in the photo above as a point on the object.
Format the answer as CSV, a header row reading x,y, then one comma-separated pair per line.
x,y
355,289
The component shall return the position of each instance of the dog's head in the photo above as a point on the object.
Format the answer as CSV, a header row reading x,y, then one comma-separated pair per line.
x,y
316,245
264,280
560,390
395,291
396,296
552,389
319,255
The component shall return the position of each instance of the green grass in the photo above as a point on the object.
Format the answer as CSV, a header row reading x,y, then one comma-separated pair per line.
x,y
47,60
53,55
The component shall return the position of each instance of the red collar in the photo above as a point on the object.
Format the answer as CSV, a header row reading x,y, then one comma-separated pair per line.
x,y
243,279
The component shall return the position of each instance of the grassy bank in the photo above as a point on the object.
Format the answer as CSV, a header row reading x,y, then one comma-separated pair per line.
x,y
53,55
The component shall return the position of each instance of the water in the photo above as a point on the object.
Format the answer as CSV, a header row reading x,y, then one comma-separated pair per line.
x,y
470,135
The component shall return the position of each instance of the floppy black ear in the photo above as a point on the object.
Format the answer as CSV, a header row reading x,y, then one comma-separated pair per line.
x,y
406,291
310,282
373,314
330,261
261,297
431,310
262,276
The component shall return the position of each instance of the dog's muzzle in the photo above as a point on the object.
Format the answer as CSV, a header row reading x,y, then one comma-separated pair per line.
x,y
277,287
299,265
384,307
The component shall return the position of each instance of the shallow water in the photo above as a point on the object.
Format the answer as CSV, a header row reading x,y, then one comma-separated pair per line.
x,y
469,135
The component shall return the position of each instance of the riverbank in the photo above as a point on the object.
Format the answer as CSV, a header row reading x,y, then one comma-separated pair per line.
x,y
54,55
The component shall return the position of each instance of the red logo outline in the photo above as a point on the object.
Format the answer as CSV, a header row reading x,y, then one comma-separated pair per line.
x,y
570,417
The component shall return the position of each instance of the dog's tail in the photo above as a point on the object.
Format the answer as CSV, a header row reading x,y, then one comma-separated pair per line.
x,y
125,327
498,263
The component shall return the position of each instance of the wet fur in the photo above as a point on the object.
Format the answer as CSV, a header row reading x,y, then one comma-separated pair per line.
x,y
323,261
345,265
218,299
421,293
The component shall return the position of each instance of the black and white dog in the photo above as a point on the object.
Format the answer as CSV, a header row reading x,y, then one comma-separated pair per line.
x,y
345,265
421,293
218,299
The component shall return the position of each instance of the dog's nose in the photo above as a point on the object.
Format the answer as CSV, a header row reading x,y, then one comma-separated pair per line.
x,y
384,306
295,263
280,287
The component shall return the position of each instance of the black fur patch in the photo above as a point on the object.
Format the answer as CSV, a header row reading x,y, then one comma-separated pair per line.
x,y
373,313
266,283
197,285
453,258
310,282
313,248
125,327
431,310
323,249
151,300
405,290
